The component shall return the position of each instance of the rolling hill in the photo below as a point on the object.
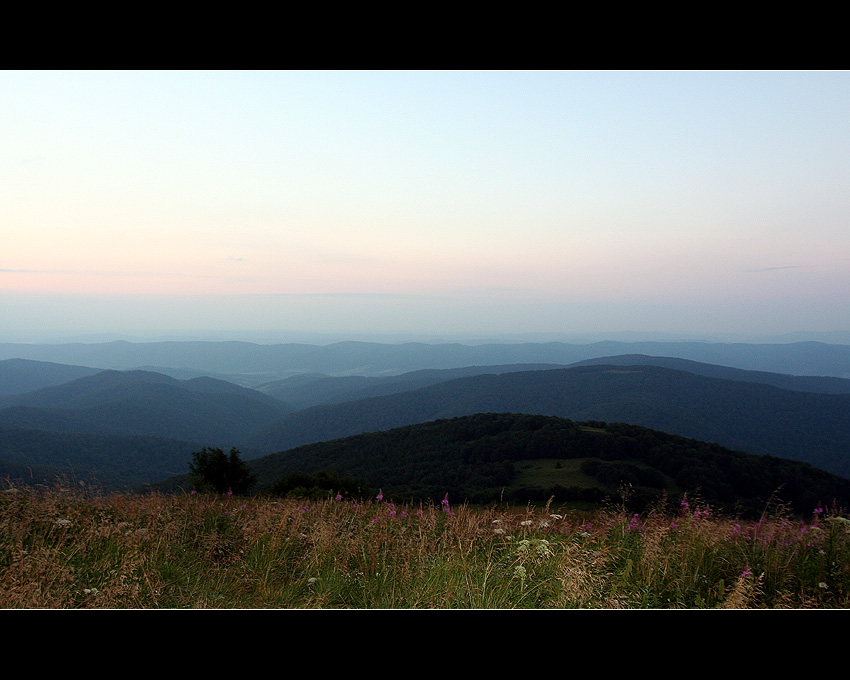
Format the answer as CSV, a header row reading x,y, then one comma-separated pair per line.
x,y
25,375
753,417
312,389
801,383
144,403
489,457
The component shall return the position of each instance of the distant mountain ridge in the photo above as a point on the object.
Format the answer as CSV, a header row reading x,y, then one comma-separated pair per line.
x,y
801,383
303,391
251,364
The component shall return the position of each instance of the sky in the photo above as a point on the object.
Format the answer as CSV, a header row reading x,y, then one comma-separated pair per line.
x,y
464,203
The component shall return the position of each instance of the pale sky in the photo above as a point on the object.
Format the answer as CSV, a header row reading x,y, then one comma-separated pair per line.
x,y
472,202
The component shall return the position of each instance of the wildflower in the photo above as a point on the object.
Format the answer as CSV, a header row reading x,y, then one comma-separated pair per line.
x,y
445,503
229,491
339,496
380,495
556,516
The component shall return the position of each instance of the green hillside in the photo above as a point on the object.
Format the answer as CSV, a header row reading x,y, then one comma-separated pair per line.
x,y
490,457
111,463
752,417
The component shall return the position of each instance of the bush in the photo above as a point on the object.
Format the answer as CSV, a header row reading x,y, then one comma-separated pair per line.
x,y
319,485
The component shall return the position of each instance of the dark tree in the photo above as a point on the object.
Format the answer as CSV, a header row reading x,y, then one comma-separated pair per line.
x,y
214,470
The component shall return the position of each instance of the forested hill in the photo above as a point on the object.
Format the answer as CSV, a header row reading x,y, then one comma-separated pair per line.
x,y
486,458
751,417
144,403
801,383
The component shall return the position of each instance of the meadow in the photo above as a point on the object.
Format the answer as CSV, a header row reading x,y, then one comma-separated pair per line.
x,y
65,548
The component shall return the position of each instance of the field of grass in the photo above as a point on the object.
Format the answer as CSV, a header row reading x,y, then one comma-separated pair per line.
x,y
64,549
545,472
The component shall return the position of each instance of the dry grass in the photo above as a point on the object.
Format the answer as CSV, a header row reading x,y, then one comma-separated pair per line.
x,y
62,549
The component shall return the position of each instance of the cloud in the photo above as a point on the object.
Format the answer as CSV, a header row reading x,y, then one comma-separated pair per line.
x,y
32,271
771,269
347,295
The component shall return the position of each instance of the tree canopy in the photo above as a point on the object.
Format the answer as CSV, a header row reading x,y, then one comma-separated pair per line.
x,y
214,470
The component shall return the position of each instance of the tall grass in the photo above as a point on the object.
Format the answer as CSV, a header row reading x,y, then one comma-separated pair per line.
x,y
60,548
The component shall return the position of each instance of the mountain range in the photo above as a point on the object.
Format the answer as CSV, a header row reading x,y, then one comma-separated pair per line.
x,y
74,409
250,364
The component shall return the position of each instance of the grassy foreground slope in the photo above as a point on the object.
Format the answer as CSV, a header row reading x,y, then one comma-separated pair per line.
x,y
62,549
